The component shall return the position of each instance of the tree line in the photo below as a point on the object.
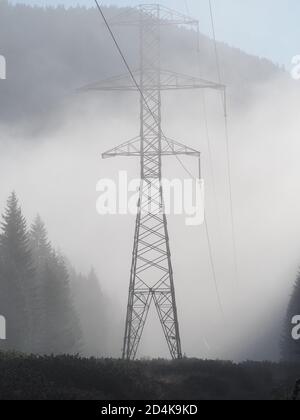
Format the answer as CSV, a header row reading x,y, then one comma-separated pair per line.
x,y
49,308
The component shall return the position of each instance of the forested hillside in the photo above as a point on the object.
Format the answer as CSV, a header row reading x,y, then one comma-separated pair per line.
x,y
52,52
49,308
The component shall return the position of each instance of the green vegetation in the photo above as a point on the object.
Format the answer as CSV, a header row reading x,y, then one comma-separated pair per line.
x,y
73,378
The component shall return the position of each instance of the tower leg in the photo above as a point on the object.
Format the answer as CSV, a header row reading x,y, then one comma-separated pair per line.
x,y
151,274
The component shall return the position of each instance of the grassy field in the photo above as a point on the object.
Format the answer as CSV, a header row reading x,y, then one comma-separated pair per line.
x,y
71,378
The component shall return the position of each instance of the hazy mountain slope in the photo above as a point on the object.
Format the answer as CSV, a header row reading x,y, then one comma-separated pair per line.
x,y
52,52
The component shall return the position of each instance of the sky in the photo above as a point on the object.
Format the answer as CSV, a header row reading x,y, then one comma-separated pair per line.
x,y
266,28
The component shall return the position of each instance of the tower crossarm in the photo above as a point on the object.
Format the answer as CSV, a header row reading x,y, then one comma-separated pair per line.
x,y
168,16
132,148
169,81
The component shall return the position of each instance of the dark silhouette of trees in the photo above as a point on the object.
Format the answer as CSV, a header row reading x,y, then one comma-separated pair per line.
x,y
35,292
57,328
17,273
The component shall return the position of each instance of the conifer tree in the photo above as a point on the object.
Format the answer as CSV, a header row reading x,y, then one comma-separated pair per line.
x,y
35,294
17,274
40,245
41,252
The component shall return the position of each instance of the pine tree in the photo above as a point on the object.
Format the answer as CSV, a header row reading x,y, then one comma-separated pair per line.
x,y
40,245
35,294
41,252
14,239
290,348
16,277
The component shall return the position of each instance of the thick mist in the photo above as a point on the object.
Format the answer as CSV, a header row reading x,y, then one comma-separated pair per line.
x,y
52,159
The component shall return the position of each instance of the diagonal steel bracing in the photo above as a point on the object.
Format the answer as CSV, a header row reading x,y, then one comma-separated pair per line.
x,y
151,278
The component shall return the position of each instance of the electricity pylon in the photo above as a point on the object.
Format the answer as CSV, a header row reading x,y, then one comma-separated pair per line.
x,y
151,278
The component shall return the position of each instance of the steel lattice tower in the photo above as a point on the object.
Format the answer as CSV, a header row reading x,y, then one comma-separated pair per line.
x,y
151,278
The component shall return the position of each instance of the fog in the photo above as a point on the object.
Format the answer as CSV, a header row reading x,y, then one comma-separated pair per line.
x,y
52,159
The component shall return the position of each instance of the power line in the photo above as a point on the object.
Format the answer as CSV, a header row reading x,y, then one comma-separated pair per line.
x,y
207,133
211,256
123,56
134,79
228,153
131,72
210,251
215,40
187,7
214,273
209,243
210,152
153,116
